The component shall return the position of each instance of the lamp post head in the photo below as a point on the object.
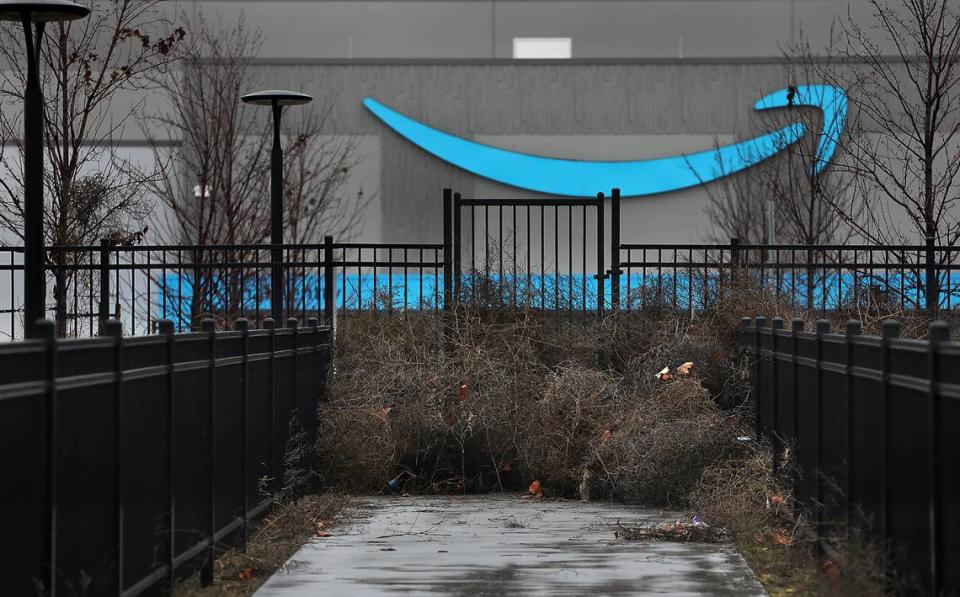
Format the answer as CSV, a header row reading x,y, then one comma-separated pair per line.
x,y
42,11
279,97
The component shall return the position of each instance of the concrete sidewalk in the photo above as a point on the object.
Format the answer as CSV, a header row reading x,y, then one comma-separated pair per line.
x,y
502,545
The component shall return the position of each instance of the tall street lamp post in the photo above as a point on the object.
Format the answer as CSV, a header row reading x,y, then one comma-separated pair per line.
x,y
34,15
276,99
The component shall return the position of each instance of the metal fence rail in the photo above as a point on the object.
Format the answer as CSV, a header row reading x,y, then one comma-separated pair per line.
x,y
872,422
820,278
128,461
550,254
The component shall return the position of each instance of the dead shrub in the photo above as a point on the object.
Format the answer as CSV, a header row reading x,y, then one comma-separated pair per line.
x,y
658,452
567,423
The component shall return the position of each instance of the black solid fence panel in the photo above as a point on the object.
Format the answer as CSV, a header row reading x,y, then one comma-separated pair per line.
x,y
131,460
872,424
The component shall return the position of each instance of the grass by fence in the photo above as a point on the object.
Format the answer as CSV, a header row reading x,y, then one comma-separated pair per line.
x,y
871,427
129,461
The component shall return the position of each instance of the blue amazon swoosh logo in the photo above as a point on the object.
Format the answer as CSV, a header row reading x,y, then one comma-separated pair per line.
x,y
578,178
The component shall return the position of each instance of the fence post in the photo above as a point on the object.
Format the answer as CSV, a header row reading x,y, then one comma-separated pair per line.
x,y
311,439
103,307
457,242
939,332
165,328
447,247
761,322
748,344
734,259
776,439
931,281
46,331
615,250
853,328
796,328
242,325
823,327
601,287
890,330
329,280
114,329
208,326
269,324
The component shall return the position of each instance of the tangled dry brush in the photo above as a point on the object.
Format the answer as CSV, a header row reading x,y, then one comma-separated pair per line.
x,y
506,397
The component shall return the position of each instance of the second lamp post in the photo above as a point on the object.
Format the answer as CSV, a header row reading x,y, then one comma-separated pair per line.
x,y
277,99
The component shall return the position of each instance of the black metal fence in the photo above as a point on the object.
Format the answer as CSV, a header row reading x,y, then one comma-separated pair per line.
x,y
141,285
129,461
555,254
872,423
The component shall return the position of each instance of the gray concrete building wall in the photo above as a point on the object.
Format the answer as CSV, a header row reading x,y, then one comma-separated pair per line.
x,y
317,29
590,110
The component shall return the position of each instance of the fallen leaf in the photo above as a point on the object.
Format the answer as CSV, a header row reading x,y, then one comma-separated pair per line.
x,y
463,391
777,499
605,436
323,533
322,524
685,368
780,538
248,572
664,374
534,488
382,414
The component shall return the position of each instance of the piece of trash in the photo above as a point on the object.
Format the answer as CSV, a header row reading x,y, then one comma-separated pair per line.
x,y
664,374
685,368
744,438
697,520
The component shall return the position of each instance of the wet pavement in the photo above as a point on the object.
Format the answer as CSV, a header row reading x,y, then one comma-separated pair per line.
x,y
504,545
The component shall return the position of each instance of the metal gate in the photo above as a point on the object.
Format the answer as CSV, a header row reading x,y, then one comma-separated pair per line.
x,y
545,254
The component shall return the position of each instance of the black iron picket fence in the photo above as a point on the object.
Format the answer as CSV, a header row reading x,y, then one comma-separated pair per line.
x,y
872,426
554,254
128,462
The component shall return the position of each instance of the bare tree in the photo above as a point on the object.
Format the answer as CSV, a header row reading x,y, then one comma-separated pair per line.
x,y
806,191
218,190
90,67
906,105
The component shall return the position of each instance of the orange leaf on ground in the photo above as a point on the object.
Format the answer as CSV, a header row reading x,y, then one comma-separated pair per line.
x,y
777,499
685,368
605,436
781,538
248,572
323,533
463,391
534,488
664,374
